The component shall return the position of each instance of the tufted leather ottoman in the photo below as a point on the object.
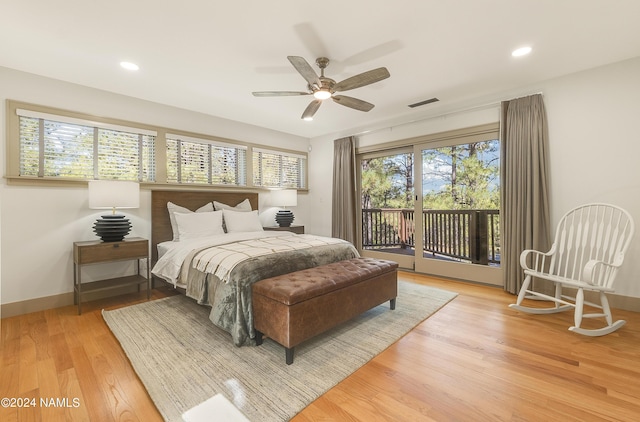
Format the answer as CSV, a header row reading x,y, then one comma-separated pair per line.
x,y
294,307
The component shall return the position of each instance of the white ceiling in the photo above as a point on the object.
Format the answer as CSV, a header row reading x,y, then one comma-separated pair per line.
x,y
208,56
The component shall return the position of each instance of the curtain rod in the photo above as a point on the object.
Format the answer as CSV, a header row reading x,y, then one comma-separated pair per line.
x,y
464,110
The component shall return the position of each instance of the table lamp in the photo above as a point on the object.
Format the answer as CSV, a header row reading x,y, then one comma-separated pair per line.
x,y
113,194
284,198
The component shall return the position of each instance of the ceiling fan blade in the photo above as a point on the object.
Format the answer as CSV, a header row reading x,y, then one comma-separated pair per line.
x,y
352,102
311,109
362,79
304,68
279,93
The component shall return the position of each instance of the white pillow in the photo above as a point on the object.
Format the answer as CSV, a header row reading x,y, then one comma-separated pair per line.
x,y
173,208
199,224
242,206
242,221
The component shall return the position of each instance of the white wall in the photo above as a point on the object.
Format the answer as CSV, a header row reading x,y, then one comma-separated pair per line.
x,y
594,147
40,224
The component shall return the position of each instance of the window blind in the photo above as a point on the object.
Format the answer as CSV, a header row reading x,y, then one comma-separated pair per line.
x,y
82,122
63,147
194,160
55,149
279,169
124,156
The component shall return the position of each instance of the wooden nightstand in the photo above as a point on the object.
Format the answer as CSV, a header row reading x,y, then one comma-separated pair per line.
x,y
294,229
99,252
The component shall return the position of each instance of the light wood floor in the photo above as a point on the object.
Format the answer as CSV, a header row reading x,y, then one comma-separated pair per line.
x,y
473,360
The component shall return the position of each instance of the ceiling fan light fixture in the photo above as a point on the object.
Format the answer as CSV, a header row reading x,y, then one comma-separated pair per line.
x,y
322,94
522,51
129,66
323,88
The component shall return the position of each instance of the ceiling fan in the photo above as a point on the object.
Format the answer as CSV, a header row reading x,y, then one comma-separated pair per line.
x,y
323,88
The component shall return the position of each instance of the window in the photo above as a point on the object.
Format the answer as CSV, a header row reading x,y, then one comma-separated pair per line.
x,y
387,192
64,147
461,201
193,160
48,146
279,169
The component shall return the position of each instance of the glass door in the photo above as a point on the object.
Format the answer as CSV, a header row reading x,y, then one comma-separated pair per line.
x,y
387,229
458,204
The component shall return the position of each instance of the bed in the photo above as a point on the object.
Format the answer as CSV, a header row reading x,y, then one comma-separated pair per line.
x,y
226,288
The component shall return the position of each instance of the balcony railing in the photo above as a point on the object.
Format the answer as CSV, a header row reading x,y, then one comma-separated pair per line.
x,y
462,235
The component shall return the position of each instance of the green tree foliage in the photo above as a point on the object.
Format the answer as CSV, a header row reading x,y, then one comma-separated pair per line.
x,y
387,182
459,177
462,177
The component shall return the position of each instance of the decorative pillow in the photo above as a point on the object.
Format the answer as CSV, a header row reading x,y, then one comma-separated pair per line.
x,y
242,221
199,224
173,208
242,206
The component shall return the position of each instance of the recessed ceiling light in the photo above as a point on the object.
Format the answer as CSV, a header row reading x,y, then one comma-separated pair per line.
x,y
129,66
522,51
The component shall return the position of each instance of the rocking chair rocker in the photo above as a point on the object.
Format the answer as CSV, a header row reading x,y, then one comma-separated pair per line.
x,y
587,252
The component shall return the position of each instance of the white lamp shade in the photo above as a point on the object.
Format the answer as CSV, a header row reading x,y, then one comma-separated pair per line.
x,y
284,198
111,194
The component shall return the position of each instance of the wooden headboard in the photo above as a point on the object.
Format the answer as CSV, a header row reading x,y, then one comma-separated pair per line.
x,y
160,223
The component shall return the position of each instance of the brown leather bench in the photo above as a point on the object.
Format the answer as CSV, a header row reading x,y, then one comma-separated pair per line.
x,y
294,307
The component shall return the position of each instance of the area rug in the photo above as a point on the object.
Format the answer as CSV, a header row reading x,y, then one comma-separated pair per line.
x,y
183,359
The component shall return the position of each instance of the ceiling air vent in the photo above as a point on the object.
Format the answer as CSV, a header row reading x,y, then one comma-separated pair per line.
x,y
421,103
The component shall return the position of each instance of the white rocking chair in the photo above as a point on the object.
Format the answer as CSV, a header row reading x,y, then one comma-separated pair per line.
x,y
588,249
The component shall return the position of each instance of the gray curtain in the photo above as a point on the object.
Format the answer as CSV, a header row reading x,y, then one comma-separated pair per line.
x,y
525,222
343,221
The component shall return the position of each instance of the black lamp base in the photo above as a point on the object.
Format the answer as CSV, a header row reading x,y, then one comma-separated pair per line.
x,y
284,218
112,228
